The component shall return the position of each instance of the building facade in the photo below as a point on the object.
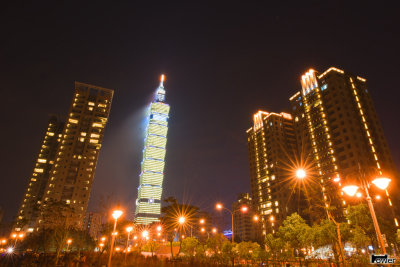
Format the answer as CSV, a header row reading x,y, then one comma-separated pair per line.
x,y
148,203
272,149
28,212
336,115
92,224
246,225
72,174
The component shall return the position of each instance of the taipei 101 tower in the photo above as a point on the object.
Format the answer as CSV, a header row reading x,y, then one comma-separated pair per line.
x,y
148,203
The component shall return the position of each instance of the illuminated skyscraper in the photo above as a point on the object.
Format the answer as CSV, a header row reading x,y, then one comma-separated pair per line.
x,y
72,174
334,113
148,203
271,145
28,212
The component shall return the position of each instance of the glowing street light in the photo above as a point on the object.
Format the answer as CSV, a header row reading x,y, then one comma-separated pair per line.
x,y
214,230
69,241
350,190
301,173
128,230
381,183
202,221
243,209
256,218
145,234
159,228
116,214
182,220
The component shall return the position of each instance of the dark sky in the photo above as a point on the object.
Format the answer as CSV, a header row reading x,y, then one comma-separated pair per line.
x,y
223,62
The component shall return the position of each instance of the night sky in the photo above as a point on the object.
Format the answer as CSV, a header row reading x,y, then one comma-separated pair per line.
x,y
222,62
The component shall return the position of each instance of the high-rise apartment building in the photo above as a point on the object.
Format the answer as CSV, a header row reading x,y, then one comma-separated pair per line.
x,y
272,148
148,203
28,212
245,224
334,113
72,174
92,224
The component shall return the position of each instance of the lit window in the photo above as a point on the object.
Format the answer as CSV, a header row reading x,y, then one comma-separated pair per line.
x,y
38,170
97,125
73,121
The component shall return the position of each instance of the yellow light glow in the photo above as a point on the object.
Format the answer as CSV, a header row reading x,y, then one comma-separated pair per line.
x,y
181,220
202,221
381,183
301,173
244,208
159,228
116,214
69,241
218,206
145,233
162,77
350,190
129,229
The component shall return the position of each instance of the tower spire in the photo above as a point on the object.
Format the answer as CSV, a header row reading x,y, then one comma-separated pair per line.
x,y
160,94
162,80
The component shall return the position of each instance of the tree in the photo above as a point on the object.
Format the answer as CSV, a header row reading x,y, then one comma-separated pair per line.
x,y
295,232
151,246
246,249
228,252
189,246
215,242
171,214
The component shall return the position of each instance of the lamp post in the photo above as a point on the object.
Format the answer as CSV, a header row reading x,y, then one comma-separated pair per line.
x,y
116,214
381,183
69,241
301,174
128,230
243,209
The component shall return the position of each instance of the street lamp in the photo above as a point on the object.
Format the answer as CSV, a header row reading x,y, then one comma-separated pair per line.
x,y
301,174
69,241
128,230
381,183
243,209
116,214
145,234
181,220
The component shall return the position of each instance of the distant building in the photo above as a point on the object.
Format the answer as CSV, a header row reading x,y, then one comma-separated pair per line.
x,y
93,224
28,212
272,150
245,224
148,203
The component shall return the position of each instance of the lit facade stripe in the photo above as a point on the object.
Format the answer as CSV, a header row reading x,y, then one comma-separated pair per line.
x,y
148,203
